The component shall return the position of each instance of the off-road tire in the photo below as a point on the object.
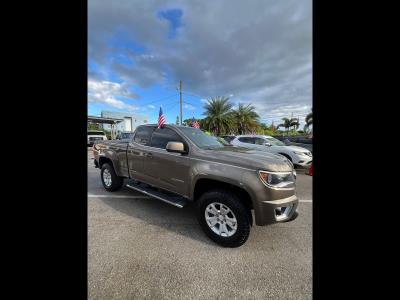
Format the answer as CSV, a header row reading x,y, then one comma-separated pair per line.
x,y
116,181
240,211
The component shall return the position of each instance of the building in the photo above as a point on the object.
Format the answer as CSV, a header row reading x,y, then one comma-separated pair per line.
x,y
130,121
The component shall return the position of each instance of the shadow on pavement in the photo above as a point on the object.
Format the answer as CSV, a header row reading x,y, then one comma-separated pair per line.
x,y
181,221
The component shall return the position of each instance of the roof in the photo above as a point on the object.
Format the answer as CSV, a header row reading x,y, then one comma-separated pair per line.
x,y
169,125
104,120
254,135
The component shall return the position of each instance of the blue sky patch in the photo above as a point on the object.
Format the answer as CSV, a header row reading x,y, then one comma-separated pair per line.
x,y
174,17
122,40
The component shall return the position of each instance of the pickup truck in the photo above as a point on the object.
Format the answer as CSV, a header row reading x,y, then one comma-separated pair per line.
x,y
180,165
95,135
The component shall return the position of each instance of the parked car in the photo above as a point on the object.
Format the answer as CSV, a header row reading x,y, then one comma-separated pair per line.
x,y
95,135
228,138
179,165
125,135
300,141
299,156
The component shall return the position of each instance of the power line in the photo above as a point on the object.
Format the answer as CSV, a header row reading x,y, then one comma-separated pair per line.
x,y
171,104
162,99
169,109
190,103
194,95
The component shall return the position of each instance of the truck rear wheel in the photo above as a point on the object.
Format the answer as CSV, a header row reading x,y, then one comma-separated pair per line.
x,y
111,182
224,218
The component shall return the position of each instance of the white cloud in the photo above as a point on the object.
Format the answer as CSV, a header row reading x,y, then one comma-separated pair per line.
x,y
151,106
264,57
106,92
204,100
189,106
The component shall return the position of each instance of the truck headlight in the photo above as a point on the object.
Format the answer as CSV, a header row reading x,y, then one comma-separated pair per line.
x,y
278,180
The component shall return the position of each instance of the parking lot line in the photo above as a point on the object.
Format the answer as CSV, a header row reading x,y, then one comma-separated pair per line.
x,y
146,197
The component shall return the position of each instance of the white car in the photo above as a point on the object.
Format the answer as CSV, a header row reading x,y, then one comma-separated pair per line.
x,y
95,135
297,155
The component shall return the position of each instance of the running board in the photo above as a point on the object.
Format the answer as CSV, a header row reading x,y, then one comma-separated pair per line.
x,y
177,201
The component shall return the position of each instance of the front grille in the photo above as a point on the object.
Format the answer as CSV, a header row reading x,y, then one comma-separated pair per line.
x,y
95,138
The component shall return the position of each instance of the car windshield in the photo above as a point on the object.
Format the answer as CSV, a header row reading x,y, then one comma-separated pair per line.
x,y
126,135
202,140
274,141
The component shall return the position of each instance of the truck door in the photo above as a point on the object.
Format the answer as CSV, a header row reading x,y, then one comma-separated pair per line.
x,y
166,169
136,152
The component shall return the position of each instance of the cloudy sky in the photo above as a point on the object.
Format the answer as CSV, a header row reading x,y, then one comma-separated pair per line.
x,y
255,51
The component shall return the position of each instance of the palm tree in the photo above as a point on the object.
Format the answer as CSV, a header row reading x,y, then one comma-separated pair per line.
x,y
295,123
187,122
309,121
218,112
245,118
286,124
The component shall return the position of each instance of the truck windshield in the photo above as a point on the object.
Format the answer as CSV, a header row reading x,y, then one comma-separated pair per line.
x,y
95,133
200,139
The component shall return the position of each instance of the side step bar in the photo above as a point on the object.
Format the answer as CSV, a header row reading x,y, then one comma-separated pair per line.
x,y
175,200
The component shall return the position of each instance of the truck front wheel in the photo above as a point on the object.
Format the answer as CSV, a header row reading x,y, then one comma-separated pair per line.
x,y
224,218
111,182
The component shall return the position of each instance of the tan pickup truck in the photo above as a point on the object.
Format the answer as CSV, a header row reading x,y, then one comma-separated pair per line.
x,y
180,165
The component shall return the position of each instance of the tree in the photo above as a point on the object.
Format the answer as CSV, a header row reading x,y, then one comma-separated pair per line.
x,y
93,126
294,122
187,122
245,118
218,112
285,124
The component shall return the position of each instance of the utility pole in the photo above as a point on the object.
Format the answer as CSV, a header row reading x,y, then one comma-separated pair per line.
x,y
180,93
291,118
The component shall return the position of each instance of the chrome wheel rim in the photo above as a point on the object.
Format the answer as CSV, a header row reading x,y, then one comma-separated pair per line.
x,y
107,177
221,219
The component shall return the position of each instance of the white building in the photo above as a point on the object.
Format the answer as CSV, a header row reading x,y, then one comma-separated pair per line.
x,y
131,121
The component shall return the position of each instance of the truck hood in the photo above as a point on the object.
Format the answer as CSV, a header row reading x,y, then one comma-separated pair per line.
x,y
248,158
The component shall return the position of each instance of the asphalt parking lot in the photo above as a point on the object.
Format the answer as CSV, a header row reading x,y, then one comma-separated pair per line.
x,y
142,248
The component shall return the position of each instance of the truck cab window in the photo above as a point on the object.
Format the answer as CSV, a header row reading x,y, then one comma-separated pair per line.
x,y
161,137
143,135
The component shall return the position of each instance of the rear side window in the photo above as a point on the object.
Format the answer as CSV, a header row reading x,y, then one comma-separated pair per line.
x,y
143,135
247,140
259,141
161,137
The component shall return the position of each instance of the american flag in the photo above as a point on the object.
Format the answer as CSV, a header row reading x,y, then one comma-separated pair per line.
x,y
195,124
161,119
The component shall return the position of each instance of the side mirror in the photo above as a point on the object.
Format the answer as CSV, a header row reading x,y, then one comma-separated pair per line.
x,y
177,147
